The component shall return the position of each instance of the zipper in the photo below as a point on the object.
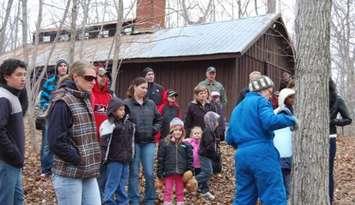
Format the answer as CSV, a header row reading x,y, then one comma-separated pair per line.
x,y
176,165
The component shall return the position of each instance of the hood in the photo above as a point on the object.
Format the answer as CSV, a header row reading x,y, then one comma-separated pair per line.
x,y
284,93
57,65
211,119
68,84
114,104
105,89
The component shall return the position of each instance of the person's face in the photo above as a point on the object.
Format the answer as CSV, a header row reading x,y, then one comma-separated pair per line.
x,y
120,112
150,77
87,81
177,133
62,69
141,90
17,79
290,100
101,80
215,98
202,96
286,76
211,76
196,134
171,99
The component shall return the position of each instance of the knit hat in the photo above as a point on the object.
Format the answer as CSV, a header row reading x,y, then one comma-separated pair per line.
x,y
261,83
176,122
215,93
147,70
172,93
60,61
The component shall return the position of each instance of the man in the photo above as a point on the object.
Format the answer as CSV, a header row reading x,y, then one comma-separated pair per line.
x,y
155,91
212,85
252,76
61,69
257,163
12,136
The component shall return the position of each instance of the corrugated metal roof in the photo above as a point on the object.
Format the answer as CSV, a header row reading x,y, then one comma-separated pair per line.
x,y
195,40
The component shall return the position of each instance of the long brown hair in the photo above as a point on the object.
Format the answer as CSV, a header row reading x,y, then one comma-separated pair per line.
x,y
136,82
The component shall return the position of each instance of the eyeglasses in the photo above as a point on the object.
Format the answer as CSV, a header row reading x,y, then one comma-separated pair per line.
x,y
89,78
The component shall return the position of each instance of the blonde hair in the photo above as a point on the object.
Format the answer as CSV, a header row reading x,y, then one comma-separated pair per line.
x,y
194,129
79,68
200,88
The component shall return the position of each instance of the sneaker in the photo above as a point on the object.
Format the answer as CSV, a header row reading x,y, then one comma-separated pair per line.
x,y
208,195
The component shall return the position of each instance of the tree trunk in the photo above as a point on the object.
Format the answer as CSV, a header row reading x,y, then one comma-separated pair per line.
x,y
4,24
24,30
116,63
85,6
271,6
74,15
311,141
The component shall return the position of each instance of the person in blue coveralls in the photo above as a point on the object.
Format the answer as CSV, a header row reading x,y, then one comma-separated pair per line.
x,y
257,164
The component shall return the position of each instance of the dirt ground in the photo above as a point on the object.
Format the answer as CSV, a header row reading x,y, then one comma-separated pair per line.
x,y
39,190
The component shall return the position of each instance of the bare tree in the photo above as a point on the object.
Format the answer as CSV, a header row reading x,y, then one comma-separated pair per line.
x,y
85,5
311,146
4,25
271,6
24,30
74,16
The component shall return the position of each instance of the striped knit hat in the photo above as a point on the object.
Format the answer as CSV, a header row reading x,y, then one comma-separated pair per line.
x,y
261,83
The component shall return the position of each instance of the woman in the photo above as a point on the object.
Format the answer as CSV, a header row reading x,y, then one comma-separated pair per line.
x,y
72,139
336,106
145,115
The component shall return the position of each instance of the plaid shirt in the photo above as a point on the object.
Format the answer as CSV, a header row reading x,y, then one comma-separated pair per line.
x,y
83,137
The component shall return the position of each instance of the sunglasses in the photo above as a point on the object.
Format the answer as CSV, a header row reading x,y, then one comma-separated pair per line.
x,y
89,78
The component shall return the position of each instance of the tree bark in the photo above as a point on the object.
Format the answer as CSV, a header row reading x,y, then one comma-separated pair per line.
x,y
271,6
311,141
74,16
4,24
85,6
25,30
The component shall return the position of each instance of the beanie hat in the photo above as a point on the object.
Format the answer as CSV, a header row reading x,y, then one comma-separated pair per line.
x,y
261,83
176,122
147,70
172,93
60,61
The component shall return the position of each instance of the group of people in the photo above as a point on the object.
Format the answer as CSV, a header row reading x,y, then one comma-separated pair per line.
x,y
94,143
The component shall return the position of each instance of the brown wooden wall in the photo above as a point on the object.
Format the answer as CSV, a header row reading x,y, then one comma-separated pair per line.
x,y
183,77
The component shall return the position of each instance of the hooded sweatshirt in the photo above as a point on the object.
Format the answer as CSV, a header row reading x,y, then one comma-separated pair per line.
x,y
117,135
283,137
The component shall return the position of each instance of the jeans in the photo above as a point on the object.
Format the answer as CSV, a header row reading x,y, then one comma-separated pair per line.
x,y
169,183
116,181
145,154
205,174
46,155
11,185
332,153
70,191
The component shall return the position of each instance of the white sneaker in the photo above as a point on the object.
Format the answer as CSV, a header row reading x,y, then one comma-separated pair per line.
x,y
208,195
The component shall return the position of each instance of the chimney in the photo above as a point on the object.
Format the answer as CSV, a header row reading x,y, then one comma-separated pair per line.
x,y
150,15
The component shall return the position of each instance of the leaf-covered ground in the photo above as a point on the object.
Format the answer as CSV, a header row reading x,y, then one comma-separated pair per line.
x,y
38,190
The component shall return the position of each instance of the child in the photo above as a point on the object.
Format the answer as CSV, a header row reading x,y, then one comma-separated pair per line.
x,y
283,137
208,153
174,159
117,136
194,141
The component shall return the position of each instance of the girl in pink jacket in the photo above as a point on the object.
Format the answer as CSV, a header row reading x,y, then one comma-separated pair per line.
x,y
194,140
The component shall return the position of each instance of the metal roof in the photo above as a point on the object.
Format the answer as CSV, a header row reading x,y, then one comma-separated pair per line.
x,y
228,37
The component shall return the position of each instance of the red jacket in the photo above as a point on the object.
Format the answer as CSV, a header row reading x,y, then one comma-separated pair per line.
x,y
100,99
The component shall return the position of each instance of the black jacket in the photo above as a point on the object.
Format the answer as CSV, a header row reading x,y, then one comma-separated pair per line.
x,y
168,113
173,158
117,135
337,105
242,95
146,118
155,92
208,144
195,114
222,125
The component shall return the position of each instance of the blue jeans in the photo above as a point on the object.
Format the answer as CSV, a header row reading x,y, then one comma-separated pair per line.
x,y
204,175
46,155
71,191
116,181
145,154
11,185
258,174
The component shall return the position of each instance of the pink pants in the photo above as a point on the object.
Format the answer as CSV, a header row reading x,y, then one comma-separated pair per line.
x,y
169,182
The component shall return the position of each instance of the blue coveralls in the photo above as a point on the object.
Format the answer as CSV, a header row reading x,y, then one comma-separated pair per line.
x,y
257,165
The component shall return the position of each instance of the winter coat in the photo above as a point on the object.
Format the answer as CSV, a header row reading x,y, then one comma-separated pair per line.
x,y
100,98
155,92
283,137
222,125
195,114
168,112
72,133
253,121
48,87
195,143
117,135
337,105
208,144
215,86
173,158
12,136
146,118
